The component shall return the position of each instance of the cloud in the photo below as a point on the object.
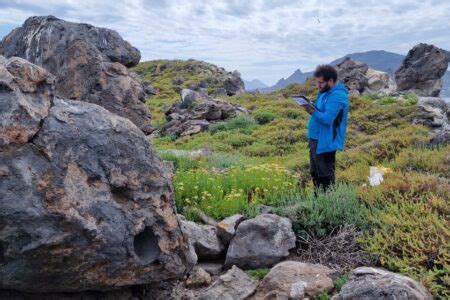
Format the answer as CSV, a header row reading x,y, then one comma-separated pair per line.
x,y
264,39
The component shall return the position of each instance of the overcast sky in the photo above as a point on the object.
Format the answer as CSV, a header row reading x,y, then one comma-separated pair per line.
x,y
264,39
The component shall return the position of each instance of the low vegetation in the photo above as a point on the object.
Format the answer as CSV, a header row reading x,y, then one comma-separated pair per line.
x,y
263,159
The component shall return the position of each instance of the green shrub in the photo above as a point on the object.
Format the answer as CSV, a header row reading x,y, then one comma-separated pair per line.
x,y
239,140
320,215
410,99
264,117
241,123
322,296
180,162
410,237
260,149
225,160
219,126
258,273
340,281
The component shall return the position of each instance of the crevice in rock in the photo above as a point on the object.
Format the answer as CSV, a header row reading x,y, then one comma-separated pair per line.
x,y
2,254
146,246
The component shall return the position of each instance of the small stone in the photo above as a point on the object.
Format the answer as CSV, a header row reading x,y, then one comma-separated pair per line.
x,y
197,278
234,284
227,227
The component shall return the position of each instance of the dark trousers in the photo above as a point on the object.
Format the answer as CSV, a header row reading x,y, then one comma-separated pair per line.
x,y
322,167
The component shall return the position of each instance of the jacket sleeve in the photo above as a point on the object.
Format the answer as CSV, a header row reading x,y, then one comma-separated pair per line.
x,y
332,108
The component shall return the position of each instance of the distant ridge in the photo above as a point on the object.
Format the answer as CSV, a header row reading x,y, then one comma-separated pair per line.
x,y
377,59
254,84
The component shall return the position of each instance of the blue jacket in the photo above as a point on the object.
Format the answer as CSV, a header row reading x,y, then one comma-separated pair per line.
x,y
329,124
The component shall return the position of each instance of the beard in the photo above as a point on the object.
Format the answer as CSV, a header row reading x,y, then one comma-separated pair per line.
x,y
325,89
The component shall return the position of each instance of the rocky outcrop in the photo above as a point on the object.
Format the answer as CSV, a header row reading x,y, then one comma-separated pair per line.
x,y
433,112
90,64
359,78
352,74
294,280
233,84
234,284
203,238
85,202
373,283
379,82
195,112
261,242
422,70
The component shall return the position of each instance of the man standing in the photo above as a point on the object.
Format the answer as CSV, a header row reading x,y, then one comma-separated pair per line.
x,y
326,126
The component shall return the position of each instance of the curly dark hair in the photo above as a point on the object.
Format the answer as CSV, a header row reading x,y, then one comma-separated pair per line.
x,y
326,71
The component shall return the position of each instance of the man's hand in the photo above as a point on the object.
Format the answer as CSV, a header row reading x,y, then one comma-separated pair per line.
x,y
309,109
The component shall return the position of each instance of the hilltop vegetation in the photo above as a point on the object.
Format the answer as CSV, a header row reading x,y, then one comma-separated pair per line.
x,y
263,159
169,77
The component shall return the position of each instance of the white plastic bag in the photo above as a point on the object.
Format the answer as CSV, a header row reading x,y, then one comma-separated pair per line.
x,y
376,175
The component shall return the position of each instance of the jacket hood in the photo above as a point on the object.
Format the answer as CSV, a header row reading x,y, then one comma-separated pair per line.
x,y
339,87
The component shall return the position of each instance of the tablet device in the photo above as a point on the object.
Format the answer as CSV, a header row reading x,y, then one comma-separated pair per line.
x,y
303,101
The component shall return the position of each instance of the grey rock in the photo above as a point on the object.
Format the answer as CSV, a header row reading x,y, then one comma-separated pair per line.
x,y
380,82
233,84
188,97
197,278
261,242
294,280
87,203
433,113
366,283
204,238
26,93
226,228
148,89
353,74
234,284
422,70
90,64
213,268
177,80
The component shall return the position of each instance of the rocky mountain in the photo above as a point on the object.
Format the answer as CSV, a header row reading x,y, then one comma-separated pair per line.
x,y
297,77
377,59
254,84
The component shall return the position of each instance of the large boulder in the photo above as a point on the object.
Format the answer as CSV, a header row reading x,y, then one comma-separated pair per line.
x,y
294,280
85,201
90,64
353,74
372,283
233,84
234,284
261,242
422,70
379,82
433,112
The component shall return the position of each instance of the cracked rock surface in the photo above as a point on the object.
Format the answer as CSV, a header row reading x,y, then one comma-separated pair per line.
x,y
85,201
90,64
